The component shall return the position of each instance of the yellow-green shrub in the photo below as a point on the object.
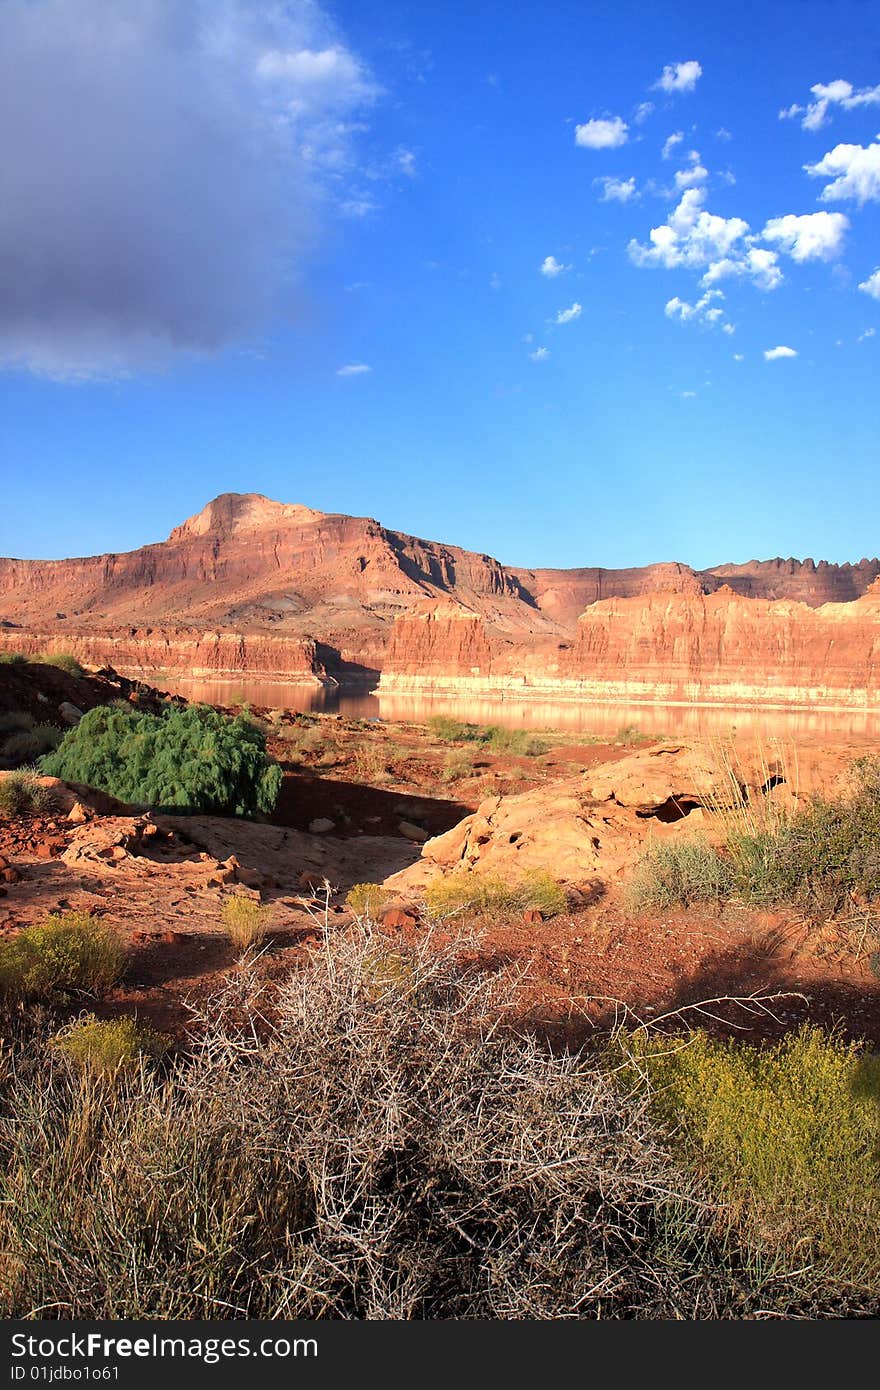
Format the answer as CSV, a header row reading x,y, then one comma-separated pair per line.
x,y
69,951
367,899
246,921
22,791
108,1046
480,893
788,1134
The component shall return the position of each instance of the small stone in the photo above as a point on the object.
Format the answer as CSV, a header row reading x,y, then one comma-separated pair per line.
x,y
69,713
399,918
77,815
4,863
10,875
413,832
321,826
533,915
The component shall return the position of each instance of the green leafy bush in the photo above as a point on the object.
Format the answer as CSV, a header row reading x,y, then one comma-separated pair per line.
x,y
12,659
191,758
69,951
22,791
109,1046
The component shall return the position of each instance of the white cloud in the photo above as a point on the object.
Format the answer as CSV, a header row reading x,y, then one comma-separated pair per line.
x,y
494,281
719,246
317,74
688,395
815,236
540,354
551,267
643,111
691,236
729,328
568,315
617,190
739,357
706,310
871,286
605,134
773,354
679,77
758,264
670,143
693,175
722,133
828,94
854,171
406,162
354,369
868,333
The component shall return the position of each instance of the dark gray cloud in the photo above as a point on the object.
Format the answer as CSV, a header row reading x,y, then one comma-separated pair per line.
x,y
164,166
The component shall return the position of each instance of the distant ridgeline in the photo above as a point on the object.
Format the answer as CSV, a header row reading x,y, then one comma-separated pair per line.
x,y
252,587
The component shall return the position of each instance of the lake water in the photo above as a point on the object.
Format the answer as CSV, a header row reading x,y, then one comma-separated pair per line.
x,y
565,716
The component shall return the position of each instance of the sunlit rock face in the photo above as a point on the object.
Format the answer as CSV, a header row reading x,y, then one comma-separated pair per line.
x,y
253,587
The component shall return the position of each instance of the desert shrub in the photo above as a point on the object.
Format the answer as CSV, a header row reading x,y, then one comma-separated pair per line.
x,y
370,762
790,1137
681,872
458,763
246,921
518,742
22,791
822,856
377,1149
27,745
629,734
452,730
367,899
302,740
70,951
193,758
65,661
108,1046
479,894
12,659
15,721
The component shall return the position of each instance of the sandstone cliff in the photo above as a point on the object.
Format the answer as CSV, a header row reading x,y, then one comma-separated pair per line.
x,y
249,586
669,648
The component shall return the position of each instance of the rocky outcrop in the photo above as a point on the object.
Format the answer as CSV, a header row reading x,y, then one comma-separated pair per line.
x,y
148,651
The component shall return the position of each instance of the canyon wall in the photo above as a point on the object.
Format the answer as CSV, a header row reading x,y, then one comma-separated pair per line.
x,y
145,652
253,587
716,648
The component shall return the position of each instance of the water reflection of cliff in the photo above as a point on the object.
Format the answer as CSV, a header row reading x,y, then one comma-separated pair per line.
x,y
566,716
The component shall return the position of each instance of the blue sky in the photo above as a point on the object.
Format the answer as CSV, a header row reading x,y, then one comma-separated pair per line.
x,y
218,208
